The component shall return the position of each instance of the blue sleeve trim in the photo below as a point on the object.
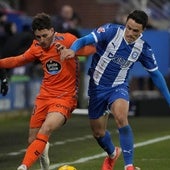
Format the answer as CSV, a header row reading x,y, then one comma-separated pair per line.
x,y
81,42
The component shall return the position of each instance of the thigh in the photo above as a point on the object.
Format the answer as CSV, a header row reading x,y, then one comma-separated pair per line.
x,y
119,101
64,105
53,121
59,110
119,109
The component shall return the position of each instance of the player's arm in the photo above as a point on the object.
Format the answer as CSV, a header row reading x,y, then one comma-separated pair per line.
x,y
4,82
81,42
77,45
12,62
160,83
86,50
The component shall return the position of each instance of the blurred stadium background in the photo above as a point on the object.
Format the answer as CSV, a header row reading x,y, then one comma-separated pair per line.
x,y
149,113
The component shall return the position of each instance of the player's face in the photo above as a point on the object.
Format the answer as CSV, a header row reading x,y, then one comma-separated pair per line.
x,y
44,37
133,30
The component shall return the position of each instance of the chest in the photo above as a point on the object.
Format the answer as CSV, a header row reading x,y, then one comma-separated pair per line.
x,y
120,51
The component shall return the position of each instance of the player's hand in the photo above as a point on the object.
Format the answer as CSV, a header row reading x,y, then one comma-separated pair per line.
x,y
59,47
66,54
4,87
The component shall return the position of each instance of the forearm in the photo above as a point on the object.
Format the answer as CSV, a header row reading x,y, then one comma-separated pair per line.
x,y
12,62
86,51
81,42
160,83
82,46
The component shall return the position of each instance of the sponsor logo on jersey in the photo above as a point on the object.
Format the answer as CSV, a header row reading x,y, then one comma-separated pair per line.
x,y
100,29
53,67
114,46
119,60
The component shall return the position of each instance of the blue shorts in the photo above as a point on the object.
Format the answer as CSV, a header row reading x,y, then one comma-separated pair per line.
x,y
101,98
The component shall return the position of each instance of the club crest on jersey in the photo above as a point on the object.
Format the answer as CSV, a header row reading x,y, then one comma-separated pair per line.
x,y
100,29
53,67
134,54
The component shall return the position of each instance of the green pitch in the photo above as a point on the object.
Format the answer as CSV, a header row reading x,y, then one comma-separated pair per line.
x,y
73,144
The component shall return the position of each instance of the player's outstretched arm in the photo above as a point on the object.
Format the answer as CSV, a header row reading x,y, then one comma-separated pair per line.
x,y
12,62
160,83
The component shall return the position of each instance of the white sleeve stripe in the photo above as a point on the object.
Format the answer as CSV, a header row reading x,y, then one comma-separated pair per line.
x,y
151,70
95,38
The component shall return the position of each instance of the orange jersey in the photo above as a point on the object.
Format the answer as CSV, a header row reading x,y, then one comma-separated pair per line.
x,y
60,77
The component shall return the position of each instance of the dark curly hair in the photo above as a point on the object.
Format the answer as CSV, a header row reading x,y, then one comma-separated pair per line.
x,y
41,21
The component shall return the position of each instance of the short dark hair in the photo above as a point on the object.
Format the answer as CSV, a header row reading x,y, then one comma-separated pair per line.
x,y
140,17
41,21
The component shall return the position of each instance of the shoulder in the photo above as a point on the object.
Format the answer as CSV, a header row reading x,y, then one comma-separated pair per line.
x,y
35,49
62,36
146,45
65,38
109,28
35,46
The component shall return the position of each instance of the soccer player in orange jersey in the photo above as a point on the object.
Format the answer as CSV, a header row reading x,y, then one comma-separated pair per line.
x,y
58,92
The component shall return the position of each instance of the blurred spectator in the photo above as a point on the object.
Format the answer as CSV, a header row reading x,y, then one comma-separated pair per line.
x,y
4,6
10,29
121,18
67,21
3,21
166,9
17,43
7,29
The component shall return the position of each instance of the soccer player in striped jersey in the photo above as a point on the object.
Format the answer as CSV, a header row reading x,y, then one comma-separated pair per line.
x,y
118,48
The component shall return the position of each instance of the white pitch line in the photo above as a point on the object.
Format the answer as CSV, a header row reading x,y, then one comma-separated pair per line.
x,y
85,159
21,151
151,141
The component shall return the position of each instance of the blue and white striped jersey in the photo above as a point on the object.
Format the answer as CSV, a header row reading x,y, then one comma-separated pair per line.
x,y
115,57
